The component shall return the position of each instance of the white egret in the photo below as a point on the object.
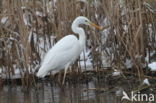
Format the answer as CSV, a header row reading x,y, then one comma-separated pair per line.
x,y
66,50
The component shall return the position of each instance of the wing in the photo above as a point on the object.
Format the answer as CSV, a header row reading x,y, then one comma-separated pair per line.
x,y
64,51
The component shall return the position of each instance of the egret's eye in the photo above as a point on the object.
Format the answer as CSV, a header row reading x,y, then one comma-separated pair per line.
x,y
86,21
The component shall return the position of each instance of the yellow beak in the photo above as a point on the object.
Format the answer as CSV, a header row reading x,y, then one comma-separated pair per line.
x,y
96,26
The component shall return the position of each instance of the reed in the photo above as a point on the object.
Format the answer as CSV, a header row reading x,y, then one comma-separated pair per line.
x,y
29,28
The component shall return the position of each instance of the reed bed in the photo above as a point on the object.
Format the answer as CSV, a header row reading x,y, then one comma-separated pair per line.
x,y
29,28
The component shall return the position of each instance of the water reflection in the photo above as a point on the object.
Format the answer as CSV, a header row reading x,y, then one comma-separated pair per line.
x,y
52,93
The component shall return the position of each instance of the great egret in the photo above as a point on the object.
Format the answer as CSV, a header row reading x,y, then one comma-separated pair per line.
x,y
67,50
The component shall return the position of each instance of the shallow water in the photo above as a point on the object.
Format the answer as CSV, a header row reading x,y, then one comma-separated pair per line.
x,y
52,93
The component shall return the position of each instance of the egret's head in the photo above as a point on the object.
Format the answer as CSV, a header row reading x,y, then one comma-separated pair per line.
x,y
83,20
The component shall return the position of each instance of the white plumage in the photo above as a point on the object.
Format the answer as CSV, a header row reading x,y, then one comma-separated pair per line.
x,y
67,50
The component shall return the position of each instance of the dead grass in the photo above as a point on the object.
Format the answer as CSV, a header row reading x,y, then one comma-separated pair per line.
x,y
131,32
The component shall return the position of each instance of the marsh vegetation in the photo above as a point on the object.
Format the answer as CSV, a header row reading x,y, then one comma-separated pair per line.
x,y
122,51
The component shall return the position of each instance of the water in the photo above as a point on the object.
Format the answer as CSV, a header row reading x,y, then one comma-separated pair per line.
x,y
51,93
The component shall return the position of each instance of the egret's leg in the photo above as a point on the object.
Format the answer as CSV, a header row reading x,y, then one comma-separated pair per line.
x,y
65,71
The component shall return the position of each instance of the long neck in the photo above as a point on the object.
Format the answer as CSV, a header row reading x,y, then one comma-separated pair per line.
x,y
82,36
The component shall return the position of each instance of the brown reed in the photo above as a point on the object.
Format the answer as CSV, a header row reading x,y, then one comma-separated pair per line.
x,y
129,36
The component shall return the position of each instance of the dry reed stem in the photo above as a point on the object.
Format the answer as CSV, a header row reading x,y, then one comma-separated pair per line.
x,y
128,37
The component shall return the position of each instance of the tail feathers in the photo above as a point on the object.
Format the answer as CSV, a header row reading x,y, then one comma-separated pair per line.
x,y
41,73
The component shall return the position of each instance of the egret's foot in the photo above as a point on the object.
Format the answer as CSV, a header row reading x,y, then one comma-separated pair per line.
x,y
63,81
59,79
